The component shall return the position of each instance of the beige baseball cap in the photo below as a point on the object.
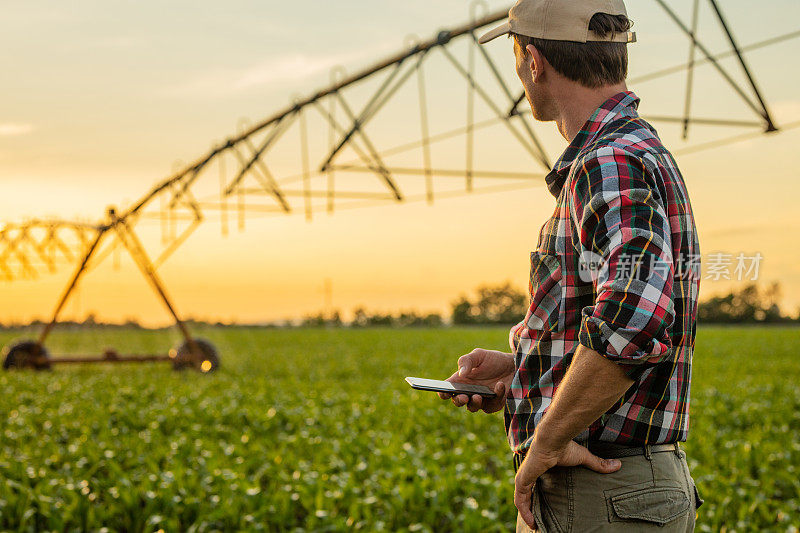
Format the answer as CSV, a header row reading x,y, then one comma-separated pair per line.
x,y
560,20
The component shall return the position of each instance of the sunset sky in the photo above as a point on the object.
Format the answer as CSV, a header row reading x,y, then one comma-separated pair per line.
x,y
100,100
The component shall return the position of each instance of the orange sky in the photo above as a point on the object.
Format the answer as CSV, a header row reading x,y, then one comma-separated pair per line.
x,y
98,110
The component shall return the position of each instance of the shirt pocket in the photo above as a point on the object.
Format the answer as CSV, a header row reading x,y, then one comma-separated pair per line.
x,y
546,309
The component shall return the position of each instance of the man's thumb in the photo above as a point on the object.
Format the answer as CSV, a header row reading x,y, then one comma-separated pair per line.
x,y
464,366
603,466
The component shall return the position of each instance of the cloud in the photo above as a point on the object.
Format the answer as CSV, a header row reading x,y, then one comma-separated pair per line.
x,y
282,71
10,129
295,67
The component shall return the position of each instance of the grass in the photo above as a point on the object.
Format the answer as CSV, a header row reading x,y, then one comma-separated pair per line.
x,y
316,430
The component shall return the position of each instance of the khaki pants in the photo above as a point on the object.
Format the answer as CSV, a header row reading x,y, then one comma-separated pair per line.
x,y
654,493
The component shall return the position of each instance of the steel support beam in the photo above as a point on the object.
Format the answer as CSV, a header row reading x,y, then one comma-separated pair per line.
x,y
765,111
101,232
761,111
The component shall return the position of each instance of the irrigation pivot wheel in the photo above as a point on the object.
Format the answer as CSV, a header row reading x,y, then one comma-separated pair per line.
x,y
205,361
26,354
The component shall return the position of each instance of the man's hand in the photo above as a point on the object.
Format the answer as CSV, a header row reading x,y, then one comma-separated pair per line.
x,y
490,368
539,460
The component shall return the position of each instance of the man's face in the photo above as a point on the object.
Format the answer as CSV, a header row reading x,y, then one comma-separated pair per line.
x,y
542,104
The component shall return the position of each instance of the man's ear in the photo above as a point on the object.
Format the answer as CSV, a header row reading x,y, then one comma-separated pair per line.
x,y
535,62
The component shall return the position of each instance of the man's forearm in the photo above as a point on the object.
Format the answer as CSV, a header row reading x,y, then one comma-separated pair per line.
x,y
592,385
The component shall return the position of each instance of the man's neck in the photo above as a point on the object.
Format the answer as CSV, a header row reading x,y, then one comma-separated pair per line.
x,y
577,103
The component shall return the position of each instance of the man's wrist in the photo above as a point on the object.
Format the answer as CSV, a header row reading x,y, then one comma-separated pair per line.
x,y
545,440
511,363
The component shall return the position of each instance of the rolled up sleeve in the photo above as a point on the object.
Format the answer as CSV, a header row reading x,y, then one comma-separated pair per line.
x,y
624,229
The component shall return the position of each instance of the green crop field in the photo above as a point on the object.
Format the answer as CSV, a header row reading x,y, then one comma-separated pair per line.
x,y
316,430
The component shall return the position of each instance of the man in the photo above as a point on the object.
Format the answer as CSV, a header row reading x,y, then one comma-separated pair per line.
x,y
596,389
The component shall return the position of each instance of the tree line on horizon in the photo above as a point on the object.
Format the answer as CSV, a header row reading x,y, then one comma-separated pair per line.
x,y
501,304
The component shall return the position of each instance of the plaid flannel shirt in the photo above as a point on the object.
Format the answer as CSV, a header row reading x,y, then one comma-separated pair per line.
x,y
610,272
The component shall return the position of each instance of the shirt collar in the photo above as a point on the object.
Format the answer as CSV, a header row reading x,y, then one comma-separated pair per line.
x,y
624,103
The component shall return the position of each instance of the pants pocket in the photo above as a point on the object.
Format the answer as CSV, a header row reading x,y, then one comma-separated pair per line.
x,y
698,501
554,498
546,520
656,505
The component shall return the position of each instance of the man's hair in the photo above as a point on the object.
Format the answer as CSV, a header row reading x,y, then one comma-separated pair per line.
x,y
592,64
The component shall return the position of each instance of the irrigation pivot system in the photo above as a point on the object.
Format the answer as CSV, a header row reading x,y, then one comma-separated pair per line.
x,y
316,155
